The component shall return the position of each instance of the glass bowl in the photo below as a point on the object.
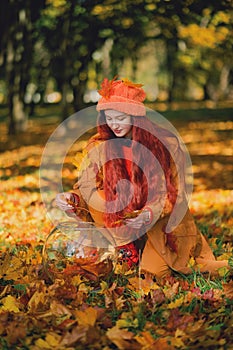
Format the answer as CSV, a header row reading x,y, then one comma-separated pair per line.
x,y
78,248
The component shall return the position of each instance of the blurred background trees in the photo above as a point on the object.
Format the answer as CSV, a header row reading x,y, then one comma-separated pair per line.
x,y
58,51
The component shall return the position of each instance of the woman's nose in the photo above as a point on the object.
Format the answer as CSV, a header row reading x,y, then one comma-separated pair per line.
x,y
115,125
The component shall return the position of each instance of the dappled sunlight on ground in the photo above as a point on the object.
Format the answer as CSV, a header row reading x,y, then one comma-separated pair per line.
x,y
185,312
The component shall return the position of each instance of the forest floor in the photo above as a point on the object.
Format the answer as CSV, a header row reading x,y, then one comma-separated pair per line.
x,y
118,310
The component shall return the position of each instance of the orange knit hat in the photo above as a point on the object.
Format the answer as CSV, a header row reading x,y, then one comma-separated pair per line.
x,y
123,96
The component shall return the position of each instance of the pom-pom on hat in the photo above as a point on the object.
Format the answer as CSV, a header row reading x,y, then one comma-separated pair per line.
x,y
123,96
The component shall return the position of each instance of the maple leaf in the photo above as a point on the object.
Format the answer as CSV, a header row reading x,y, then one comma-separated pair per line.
x,y
87,317
37,301
50,342
177,320
16,330
107,87
127,82
84,334
174,304
228,290
145,339
11,267
123,339
58,309
81,160
120,302
9,303
172,291
157,296
102,268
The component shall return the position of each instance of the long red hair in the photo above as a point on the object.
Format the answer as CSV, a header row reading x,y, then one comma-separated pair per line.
x,y
145,176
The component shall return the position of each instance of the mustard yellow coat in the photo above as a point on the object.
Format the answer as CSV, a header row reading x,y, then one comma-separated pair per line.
x,y
158,258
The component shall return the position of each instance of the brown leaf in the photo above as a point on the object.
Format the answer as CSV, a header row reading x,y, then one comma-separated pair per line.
x,y
89,267
172,291
59,309
15,331
37,301
3,321
80,334
149,343
177,320
228,290
157,296
122,339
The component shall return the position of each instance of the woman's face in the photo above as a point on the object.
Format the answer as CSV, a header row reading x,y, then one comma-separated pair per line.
x,y
120,123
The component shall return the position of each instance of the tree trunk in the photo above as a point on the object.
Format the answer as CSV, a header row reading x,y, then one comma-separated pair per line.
x,y
78,92
171,59
18,60
18,118
224,81
65,90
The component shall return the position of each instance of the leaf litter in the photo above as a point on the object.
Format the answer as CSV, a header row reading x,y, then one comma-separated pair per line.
x,y
119,310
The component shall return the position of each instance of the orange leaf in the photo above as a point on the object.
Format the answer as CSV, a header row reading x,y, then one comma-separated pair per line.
x,y
87,317
107,87
97,269
121,338
130,83
228,290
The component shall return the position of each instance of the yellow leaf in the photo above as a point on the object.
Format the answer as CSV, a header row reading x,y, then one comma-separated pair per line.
x,y
177,343
9,304
10,267
143,286
42,344
130,83
178,302
179,333
53,339
76,280
223,271
36,300
225,256
104,286
120,302
191,262
127,321
87,317
145,339
81,160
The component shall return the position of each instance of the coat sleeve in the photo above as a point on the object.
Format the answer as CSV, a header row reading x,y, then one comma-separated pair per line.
x,y
90,176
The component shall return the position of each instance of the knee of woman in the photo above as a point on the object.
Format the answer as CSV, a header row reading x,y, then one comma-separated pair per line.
x,y
158,273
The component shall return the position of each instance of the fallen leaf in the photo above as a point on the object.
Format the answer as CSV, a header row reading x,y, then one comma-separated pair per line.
x,y
123,339
87,317
228,290
177,303
9,303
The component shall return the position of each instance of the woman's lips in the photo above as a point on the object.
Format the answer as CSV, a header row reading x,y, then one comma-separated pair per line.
x,y
117,131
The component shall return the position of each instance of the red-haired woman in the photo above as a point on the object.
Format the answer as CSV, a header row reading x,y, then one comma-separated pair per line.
x,y
133,182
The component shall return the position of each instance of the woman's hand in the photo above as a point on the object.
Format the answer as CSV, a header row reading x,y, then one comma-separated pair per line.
x,y
67,201
144,218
